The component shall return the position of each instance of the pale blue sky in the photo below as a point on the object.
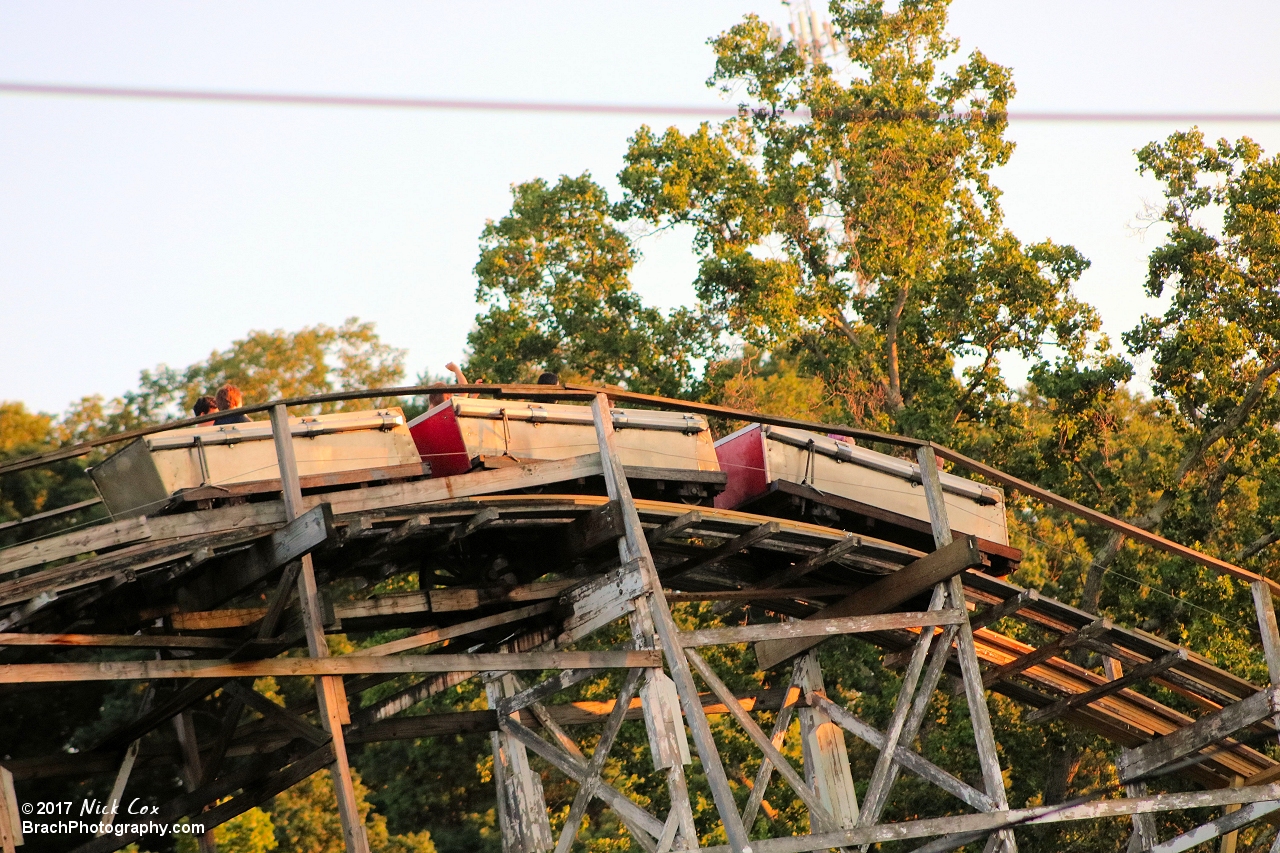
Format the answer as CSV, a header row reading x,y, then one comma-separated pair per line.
x,y
135,233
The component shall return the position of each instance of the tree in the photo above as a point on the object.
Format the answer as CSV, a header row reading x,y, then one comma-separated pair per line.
x,y
554,276
251,832
306,821
265,365
30,492
1215,351
853,223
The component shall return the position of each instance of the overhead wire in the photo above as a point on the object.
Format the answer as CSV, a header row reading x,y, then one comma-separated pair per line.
x,y
299,99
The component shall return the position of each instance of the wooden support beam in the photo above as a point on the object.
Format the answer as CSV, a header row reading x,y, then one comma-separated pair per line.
x,y
664,725
96,538
577,769
133,641
818,812
274,713
723,552
1265,607
966,652
674,527
1043,653
125,769
882,595
550,686
321,666
192,773
521,805
1133,676
826,760
402,531
259,782
1008,607
903,756
10,817
1229,822
1142,761
781,723
993,821
803,593
793,573
300,536
330,693
818,628
427,636
882,776
603,524
636,547
480,520
587,790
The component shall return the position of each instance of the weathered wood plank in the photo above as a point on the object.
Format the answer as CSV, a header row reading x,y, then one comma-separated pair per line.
x,y
819,627
1140,761
587,790
298,537
96,538
1229,822
993,821
136,641
884,594
10,821
1138,673
329,666
826,758
966,651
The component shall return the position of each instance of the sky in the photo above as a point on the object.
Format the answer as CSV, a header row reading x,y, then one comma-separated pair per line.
x,y
137,233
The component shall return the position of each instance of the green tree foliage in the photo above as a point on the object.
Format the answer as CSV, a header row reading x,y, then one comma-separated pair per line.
x,y
264,365
554,277
251,832
30,492
306,821
851,219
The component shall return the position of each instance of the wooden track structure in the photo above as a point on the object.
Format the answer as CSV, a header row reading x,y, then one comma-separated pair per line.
x,y
518,566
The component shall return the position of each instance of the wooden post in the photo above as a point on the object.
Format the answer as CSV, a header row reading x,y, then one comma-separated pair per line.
x,y
826,760
634,546
330,692
1228,842
668,744
10,818
522,807
191,772
1144,835
971,672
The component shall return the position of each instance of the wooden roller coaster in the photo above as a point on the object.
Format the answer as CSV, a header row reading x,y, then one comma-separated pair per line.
x,y
524,558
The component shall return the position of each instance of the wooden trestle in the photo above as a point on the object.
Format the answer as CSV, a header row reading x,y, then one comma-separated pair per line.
x,y
516,573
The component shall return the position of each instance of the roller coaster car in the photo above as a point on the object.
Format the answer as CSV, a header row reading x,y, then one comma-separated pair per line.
x,y
798,474
196,466
667,455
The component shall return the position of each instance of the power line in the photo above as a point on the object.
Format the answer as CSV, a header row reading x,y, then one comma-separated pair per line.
x,y
552,107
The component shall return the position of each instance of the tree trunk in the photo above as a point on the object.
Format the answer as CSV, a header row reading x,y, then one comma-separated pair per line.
x,y
894,390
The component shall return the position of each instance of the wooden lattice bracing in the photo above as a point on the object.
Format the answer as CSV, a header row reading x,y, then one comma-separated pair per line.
x,y
519,564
